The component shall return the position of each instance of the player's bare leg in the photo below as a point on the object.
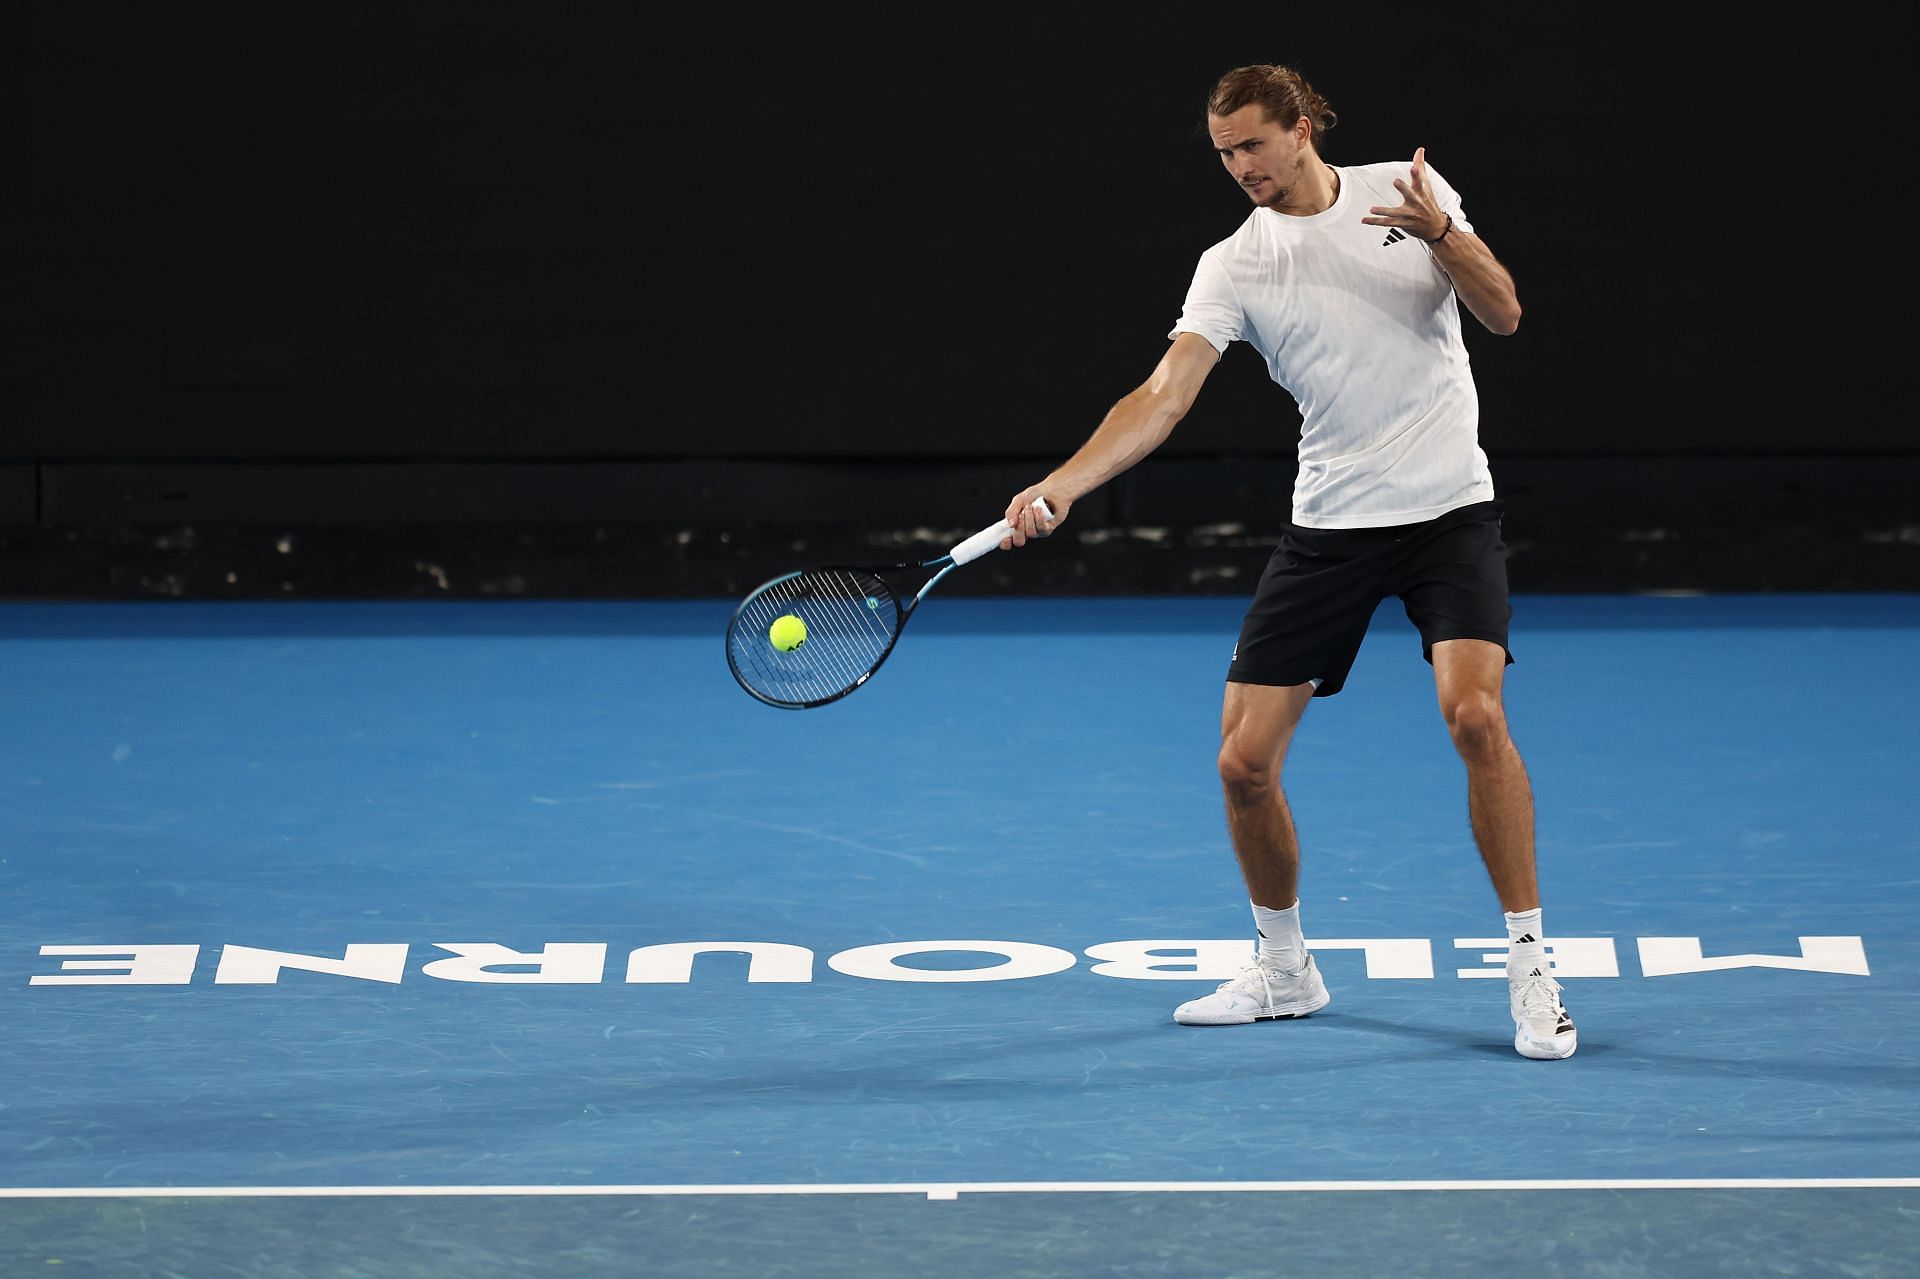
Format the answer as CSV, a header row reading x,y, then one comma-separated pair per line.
x,y
1256,724
1468,674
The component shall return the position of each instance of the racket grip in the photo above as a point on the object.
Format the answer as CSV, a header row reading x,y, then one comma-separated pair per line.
x,y
989,538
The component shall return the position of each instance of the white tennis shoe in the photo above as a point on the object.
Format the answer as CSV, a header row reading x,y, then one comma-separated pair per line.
x,y
1542,1028
1259,992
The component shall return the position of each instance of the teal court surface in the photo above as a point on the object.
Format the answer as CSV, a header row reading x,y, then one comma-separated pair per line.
x,y
513,938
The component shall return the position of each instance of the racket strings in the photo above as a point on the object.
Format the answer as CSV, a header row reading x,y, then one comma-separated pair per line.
x,y
851,619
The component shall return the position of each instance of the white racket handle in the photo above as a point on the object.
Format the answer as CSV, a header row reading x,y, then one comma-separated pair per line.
x,y
988,539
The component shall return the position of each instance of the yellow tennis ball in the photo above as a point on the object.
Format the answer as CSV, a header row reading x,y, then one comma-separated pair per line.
x,y
787,633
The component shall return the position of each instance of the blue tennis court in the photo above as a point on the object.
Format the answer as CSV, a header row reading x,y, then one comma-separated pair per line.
x,y
480,938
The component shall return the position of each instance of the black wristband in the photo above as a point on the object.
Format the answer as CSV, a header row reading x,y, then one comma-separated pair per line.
x,y
1444,232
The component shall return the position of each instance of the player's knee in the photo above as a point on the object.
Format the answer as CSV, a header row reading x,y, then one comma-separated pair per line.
x,y
1478,724
1245,777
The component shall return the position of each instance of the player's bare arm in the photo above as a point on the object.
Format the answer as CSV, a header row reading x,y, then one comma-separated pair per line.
x,y
1478,278
1132,428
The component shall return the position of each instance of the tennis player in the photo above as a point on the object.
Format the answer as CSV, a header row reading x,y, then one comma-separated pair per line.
x,y
1346,281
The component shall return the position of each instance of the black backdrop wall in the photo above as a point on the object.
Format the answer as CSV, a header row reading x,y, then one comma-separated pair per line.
x,y
591,233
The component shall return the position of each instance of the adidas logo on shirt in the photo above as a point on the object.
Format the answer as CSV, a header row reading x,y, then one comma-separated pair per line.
x,y
1394,236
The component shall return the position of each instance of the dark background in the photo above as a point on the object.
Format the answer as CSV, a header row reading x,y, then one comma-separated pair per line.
x,y
652,298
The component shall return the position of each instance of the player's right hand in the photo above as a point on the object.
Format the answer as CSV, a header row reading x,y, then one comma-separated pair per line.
x,y
1026,521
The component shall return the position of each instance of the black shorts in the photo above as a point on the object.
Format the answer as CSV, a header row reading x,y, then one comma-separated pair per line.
x,y
1321,588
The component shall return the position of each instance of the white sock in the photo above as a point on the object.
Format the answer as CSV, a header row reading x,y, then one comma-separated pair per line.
x,y
1281,944
1526,947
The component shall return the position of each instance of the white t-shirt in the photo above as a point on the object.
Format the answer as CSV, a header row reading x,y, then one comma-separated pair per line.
x,y
1362,329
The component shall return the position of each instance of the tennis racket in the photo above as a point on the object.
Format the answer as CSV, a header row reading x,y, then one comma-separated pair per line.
x,y
852,618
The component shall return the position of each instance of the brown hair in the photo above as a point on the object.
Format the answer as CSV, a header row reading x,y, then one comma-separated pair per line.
x,y
1282,93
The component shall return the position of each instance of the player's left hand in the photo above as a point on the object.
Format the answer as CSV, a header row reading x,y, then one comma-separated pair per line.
x,y
1420,215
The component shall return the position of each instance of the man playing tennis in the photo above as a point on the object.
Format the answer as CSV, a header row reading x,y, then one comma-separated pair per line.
x,y
1345,280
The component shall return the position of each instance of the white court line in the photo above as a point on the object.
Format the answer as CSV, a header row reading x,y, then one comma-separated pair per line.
x,y
951,1190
